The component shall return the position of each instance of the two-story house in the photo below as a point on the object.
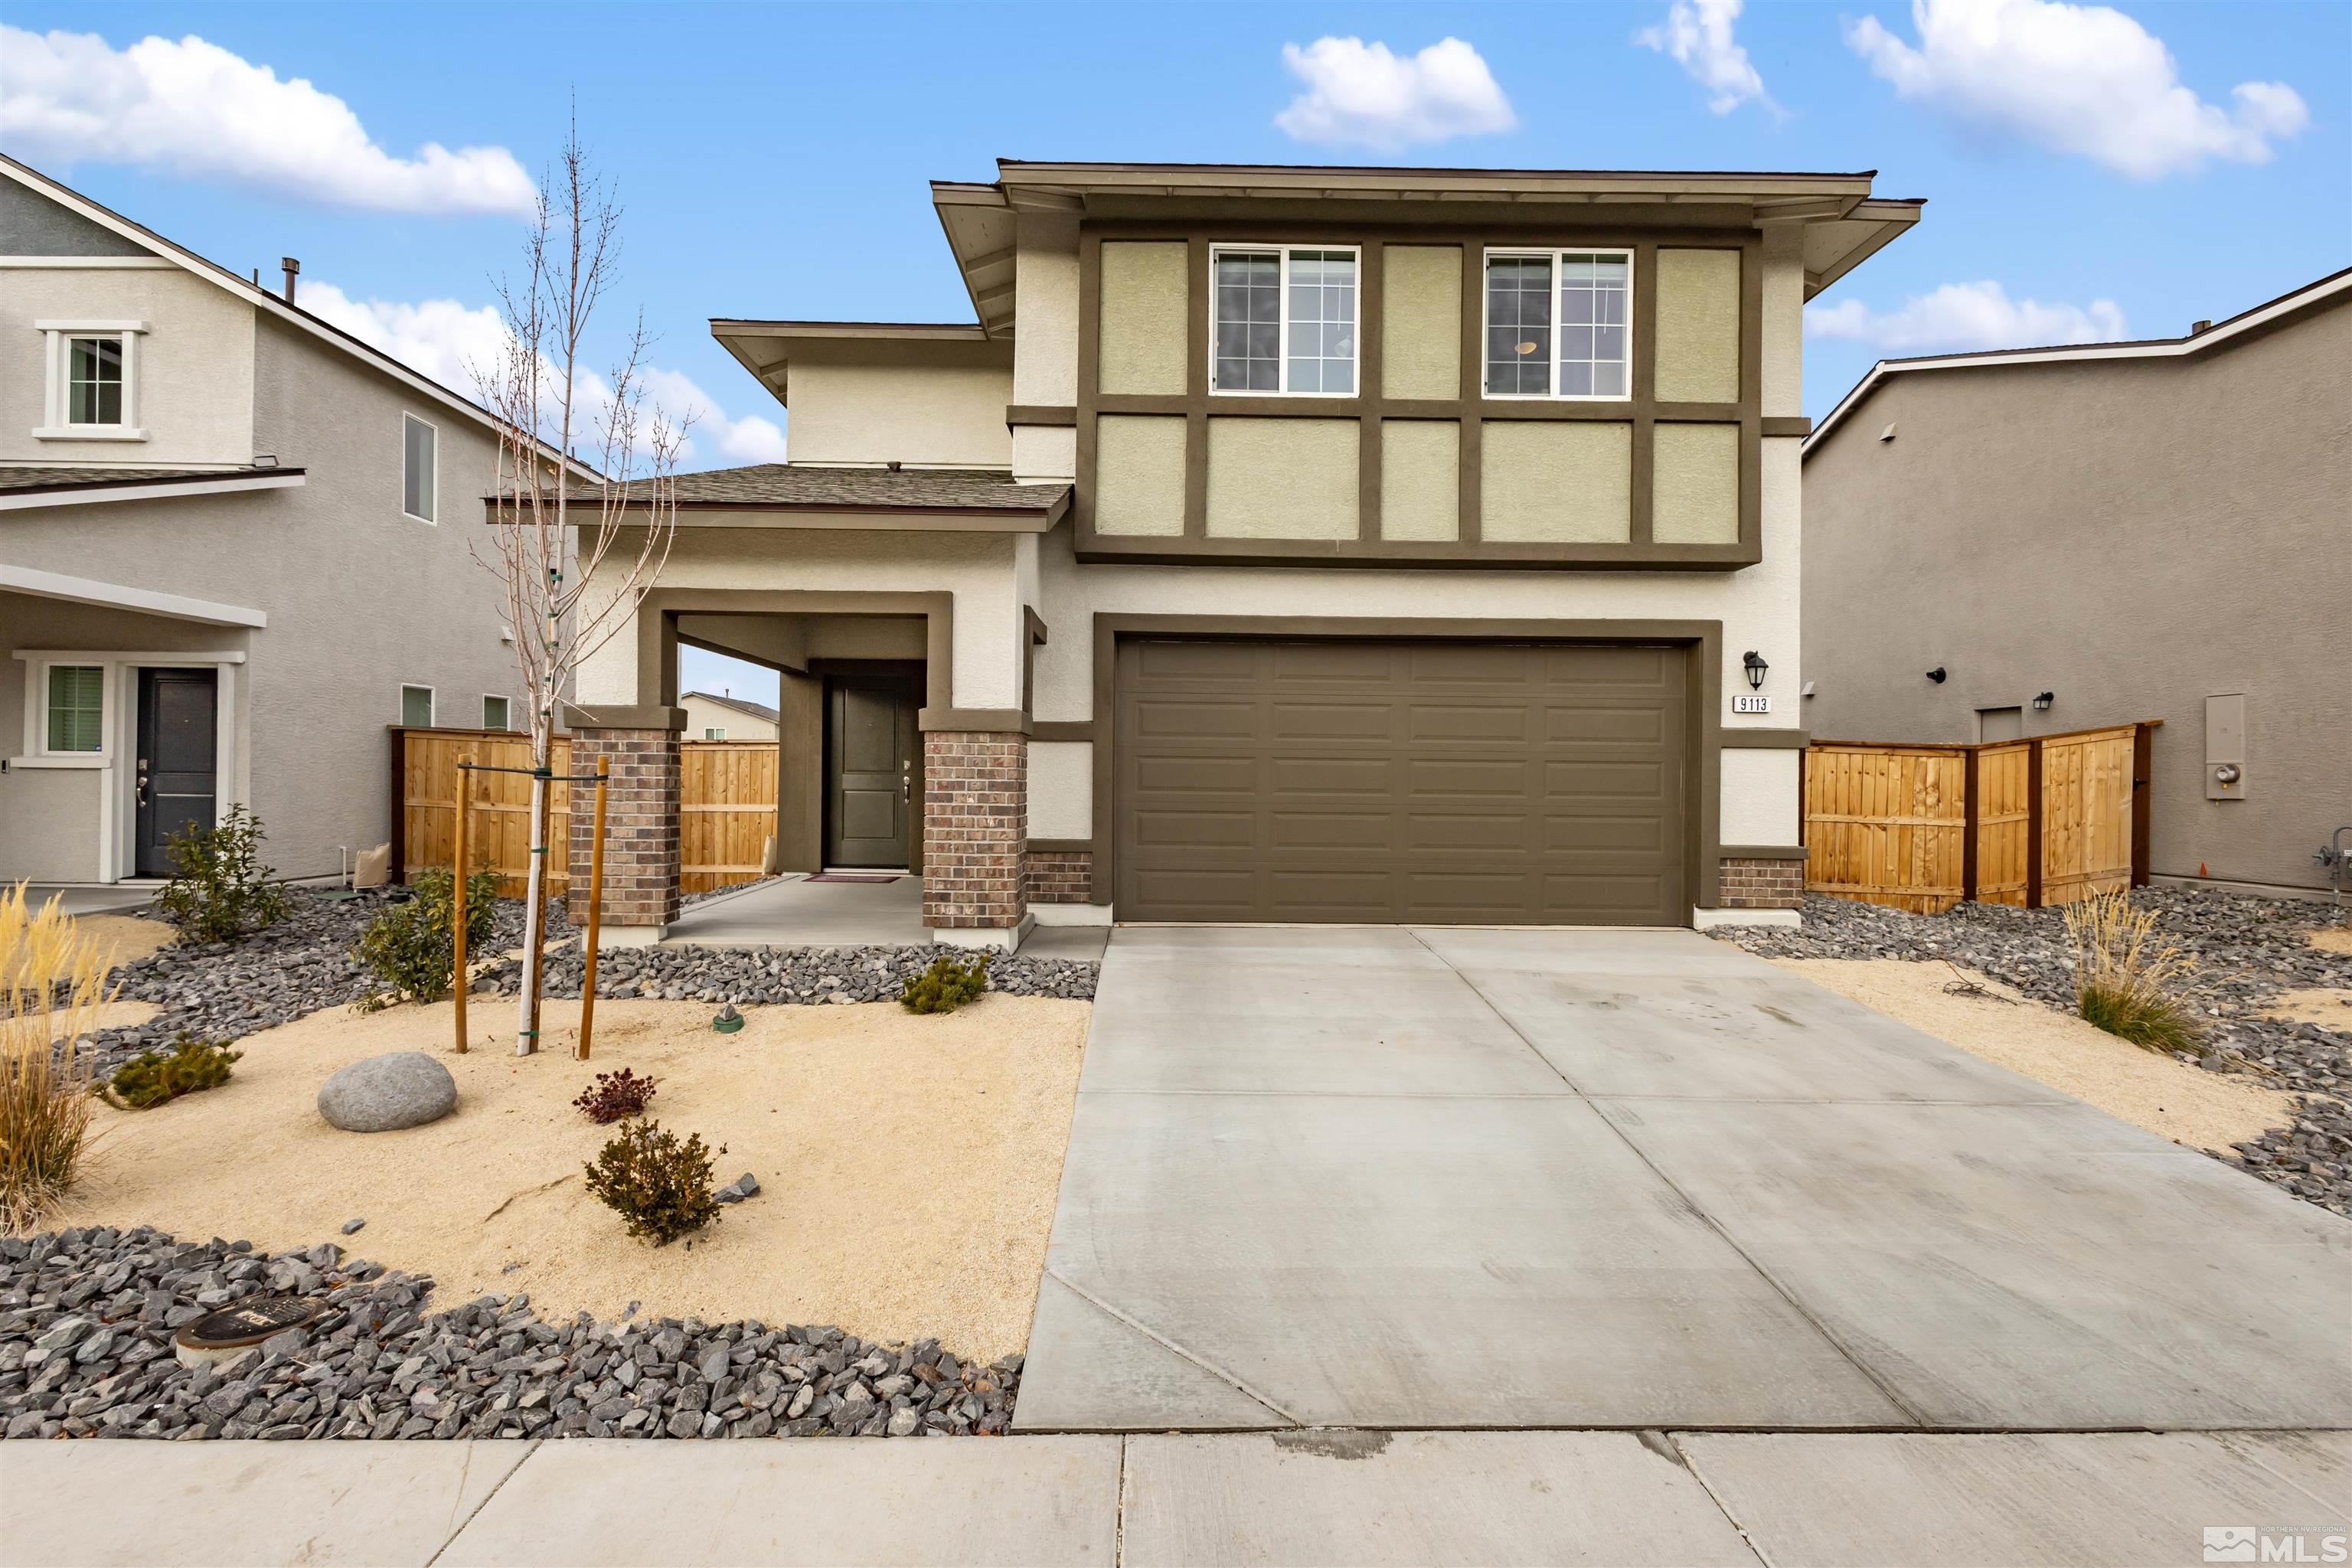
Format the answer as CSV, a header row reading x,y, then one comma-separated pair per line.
x,y
235,545
1280,544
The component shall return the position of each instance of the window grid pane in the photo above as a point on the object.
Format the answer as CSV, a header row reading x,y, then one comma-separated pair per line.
x,y
94,381
1249,321
1519,324
1593,290
1322,330
76,707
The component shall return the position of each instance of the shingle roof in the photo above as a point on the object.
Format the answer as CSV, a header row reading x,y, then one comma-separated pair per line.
x,y
13,478
757,709
781,485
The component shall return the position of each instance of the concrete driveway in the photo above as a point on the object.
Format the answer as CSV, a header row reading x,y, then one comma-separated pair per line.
x,y
1378,1176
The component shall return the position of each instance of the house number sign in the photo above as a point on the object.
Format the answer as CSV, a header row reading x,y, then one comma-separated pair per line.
x,y
1751,704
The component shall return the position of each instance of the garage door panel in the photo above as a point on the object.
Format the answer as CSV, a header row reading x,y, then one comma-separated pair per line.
x,y
1491,784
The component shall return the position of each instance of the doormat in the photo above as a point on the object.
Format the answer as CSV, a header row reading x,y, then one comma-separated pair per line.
x,y
837,877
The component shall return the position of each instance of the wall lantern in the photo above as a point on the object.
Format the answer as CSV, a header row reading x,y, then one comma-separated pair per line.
x,y
2042,700
1753,662
1936,675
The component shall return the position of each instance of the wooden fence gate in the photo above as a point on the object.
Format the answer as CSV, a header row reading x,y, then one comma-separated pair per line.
x,y
2047,820
727,806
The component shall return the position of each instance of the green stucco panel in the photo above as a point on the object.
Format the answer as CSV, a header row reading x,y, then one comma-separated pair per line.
x,y
1140,346
1421,322
1695,484
1282,478
1138,474
1556,481
1420,479
1698,326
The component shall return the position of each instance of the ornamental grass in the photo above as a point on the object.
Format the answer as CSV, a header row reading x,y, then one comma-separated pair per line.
x,y
52,982
2123,974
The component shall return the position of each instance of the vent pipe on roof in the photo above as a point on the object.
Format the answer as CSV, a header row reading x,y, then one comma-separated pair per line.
x,y
2197,327
293,268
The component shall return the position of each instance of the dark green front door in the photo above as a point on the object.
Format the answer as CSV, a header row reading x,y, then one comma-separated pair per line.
x,y
871,751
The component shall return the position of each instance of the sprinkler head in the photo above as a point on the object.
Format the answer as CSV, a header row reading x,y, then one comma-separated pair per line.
x,y
728,1020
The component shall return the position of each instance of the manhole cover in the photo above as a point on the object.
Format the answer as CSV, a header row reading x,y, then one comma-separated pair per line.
x,y
248,1323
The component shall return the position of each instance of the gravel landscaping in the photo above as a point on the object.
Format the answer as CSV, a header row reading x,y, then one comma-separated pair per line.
x,y
785,975
2247,954
87,1317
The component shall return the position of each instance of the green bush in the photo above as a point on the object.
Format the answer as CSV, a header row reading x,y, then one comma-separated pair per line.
x,y
658,1185
412,948
946,986
2152,1020
156,1078
223,891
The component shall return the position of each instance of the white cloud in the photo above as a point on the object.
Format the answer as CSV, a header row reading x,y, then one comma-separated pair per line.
x,y
2085,79
194,108
1960,316
1698,34
450,340
1359,92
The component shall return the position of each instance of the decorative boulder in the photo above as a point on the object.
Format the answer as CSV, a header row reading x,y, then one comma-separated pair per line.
x,y
381,1094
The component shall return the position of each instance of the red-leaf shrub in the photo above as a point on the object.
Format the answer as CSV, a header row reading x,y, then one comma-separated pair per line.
x,y
615,1096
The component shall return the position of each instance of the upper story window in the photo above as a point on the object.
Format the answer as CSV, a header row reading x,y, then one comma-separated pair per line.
x,y
714,732
418,461
93,382
1559,323
1284,320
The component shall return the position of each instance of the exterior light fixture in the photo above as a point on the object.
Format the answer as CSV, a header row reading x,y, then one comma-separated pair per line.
x,y
2042,700
1936,675
1753,662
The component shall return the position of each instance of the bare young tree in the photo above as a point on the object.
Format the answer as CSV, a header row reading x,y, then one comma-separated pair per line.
x,y
575,545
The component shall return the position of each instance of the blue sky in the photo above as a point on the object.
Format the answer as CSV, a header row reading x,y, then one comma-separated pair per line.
x,y
2089,172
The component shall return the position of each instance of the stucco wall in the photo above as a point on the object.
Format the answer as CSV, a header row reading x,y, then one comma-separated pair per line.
x,y
195,365
1698,325
1139,474
1556,479
1282,478
1760,796
1140,344
1060,789
1420,321
1420,479
950,416
2130,535
1045,343
1695,480
702,714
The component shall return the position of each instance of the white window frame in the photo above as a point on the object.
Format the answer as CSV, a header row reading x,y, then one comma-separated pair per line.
x,y
714,732
36,710
1559,334
431,705
490,697
1282,321
56,401
401,470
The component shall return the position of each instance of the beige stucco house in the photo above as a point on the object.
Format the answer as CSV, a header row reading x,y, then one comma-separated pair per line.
x,y
1281,544
720,716
233,550
2075,536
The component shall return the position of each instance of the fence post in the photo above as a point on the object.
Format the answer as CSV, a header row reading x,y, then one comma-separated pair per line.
x,y
1971,814
2033,825
457,980
2143,799
595,909
397,870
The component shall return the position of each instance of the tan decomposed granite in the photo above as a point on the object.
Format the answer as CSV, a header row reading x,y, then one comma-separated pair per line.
x,y
907,1164
2169,1097
2330,1007
132,937
2333,939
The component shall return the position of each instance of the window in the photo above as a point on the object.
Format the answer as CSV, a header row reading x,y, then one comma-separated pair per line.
x,y
76,707
93,382
416,467
1284,320
714,735
494,713
1559,323
416,706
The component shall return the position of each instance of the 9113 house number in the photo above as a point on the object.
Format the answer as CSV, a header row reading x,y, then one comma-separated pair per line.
x,y
1751,705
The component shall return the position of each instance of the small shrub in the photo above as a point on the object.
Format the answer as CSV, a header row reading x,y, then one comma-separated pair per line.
x,y
2123,972
157,1078
658,1185
412,947
946,986
52,980
223,891
616,1096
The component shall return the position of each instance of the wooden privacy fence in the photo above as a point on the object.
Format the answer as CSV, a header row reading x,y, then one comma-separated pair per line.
x,y
2047,820
727,806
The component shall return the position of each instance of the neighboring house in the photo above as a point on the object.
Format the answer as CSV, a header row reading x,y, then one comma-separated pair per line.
x,y
1280,544
2156,530
714,716
233,548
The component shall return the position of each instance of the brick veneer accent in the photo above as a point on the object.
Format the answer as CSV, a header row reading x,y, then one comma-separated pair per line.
x,y
641,847
975,828
1060,876
1761,884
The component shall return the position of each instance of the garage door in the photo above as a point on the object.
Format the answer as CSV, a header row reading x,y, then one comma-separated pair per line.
x,y
1429,781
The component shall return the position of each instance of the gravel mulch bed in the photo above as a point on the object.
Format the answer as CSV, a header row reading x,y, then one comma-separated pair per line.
x,y
2243,951
785,975
87,1317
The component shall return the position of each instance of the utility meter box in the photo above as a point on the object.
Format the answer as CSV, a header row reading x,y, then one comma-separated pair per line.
x,y
2225,746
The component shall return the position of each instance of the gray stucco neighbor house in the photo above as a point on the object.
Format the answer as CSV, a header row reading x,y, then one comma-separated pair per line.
x,y
2157,530
233,550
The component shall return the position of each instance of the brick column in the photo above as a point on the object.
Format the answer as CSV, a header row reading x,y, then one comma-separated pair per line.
x,y
975,829
641,832
1751,883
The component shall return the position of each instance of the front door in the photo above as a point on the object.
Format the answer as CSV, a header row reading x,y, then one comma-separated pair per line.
x,y
178,729
870,751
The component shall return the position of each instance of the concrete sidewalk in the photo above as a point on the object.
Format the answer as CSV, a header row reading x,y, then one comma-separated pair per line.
x,y
1288,1498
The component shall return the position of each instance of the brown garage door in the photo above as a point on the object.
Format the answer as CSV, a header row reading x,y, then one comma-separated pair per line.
x,y
1432,782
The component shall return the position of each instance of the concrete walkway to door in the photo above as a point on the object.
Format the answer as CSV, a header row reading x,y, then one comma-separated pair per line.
x,y
1388,1177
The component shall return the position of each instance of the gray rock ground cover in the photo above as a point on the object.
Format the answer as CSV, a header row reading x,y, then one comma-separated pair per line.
x,y
87,1317
2243,952
784,975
